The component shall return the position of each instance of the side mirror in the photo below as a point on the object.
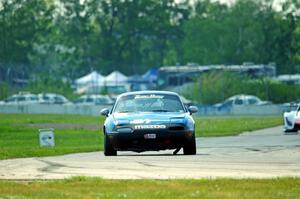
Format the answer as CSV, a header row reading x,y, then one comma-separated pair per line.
x,y
104,112
193,109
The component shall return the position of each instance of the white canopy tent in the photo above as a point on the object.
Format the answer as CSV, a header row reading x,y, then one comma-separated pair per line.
x,y
90,79
94,82
115,79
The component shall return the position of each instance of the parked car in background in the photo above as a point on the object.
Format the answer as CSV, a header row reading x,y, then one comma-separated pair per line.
x,y
52,98
186,102
113,97
292,119
290,106
94,100
240,100
22,98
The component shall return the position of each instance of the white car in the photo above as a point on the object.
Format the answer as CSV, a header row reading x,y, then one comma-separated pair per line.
x,y
52,98
94,100
292,120
240,100
22,98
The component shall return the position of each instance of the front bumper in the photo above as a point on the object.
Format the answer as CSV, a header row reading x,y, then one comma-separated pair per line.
x,y
289,125
136,140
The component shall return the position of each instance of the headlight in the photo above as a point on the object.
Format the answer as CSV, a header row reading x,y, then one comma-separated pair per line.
x,y
190,125
121,122
177,121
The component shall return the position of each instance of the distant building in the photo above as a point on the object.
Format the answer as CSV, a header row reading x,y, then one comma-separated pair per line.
x,y
179,75
289,79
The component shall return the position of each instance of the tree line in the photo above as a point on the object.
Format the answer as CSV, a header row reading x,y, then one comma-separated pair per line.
x,y
72,37
215,87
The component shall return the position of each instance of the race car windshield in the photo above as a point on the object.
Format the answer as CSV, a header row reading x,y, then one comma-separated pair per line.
x,y
149,103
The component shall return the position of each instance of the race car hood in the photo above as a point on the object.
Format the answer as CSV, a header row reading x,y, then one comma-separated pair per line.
x,y
149,118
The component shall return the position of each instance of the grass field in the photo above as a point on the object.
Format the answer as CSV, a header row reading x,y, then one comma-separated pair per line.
x,y
81,187
227,126
73,133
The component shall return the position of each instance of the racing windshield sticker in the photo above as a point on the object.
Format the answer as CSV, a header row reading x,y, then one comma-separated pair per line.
x,y
149,96
140,121
150,126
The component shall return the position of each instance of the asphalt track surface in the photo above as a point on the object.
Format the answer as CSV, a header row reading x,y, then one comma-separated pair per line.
x,y
265,153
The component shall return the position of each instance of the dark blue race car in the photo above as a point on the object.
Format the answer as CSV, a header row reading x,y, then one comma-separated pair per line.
x,y
149,121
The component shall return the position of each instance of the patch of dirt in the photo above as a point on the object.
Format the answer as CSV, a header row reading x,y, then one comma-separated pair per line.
x,y
66,126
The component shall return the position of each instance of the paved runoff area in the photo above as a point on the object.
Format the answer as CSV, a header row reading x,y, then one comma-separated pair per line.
x,y
265,153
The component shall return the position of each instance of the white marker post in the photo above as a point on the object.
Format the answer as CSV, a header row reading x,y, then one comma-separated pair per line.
x,y
47,137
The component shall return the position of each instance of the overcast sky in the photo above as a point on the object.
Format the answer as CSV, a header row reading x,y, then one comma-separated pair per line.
x,y
276,2
225,1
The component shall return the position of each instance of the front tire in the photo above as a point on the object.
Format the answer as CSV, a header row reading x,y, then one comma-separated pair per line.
x,y
290,131
190,147
108,148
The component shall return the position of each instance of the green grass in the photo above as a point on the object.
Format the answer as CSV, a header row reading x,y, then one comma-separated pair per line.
x,y
81,187
228,126
73,133
17,139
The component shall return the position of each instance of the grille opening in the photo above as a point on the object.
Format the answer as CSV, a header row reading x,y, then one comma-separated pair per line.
x,y
176,128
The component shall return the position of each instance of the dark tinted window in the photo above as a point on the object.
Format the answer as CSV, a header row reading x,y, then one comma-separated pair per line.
x,y
238,102
228,103
252,101
89,99
45,97
58,100
21,99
